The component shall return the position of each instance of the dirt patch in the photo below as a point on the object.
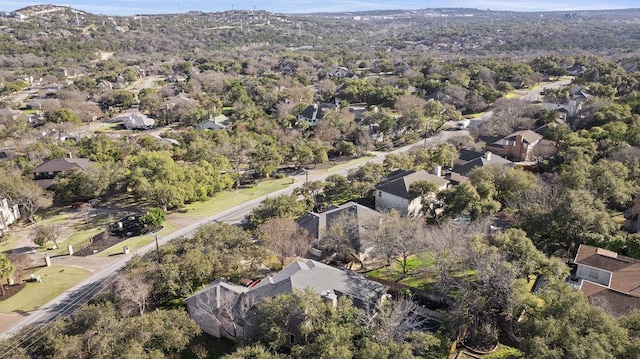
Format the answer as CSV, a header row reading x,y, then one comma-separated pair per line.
x,y
11,290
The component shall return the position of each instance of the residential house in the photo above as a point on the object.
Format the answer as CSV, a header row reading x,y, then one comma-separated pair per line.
x,y
392,193
7,114
478,159
313,114
630,67
45,173
607,279
219,122
137,121
224,309
339,72
318,223
576,70
9,214
180,100
517,146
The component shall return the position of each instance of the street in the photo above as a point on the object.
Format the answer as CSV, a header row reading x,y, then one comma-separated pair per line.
x,y
68,302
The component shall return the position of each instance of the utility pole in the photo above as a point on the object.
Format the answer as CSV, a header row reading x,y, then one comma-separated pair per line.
x,y
157,248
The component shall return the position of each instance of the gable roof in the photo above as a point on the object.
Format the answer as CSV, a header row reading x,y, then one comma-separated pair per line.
x,y
625,271
62,165
221,288
317,223
313,112
528,136
320,278
486,160
399,182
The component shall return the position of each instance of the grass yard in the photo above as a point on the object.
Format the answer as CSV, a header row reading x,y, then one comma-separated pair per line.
x,y
512,95
8,242
55,281
133,243
342,166
226,200
78,239
420,272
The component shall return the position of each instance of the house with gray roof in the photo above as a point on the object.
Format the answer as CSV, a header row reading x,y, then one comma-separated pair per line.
x,y
480,160
317,224
219,122
224,309
393,193
137,121
45,173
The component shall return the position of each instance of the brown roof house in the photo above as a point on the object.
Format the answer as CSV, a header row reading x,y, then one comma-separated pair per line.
x,y
392,193
607,279
225,309
45,173
517,146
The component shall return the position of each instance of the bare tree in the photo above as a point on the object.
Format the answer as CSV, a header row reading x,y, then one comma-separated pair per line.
x,y
394,238
285,238
133,288
342,237
46,233
395,319
228,311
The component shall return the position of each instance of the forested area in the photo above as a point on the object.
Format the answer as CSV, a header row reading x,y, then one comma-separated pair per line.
x,y
412,76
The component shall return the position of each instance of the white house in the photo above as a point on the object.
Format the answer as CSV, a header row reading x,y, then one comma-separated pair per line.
x,y
219,122
8,215
339,72
393,192
137,121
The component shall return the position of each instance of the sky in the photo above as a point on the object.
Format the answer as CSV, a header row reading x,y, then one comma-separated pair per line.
x,y
131,7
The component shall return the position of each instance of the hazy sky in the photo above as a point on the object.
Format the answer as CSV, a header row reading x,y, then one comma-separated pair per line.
x,y
130,7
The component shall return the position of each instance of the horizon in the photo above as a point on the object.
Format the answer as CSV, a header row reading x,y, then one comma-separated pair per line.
x,y
124,8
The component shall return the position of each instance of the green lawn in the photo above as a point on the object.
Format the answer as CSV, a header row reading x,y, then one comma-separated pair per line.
x,y
229,199
55,281
420,272
512,95
342,166
133,243
8,242
78,239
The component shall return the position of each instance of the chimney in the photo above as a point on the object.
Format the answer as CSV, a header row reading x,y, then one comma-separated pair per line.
x,y
487,155
69,155
438,171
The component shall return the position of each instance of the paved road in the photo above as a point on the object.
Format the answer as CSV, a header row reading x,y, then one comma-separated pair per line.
x,y
69,301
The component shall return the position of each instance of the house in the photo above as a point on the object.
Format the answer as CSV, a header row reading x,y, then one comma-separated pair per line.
x,y
219,122
45,173
629,67
7,114
576,70
9,214
517,146
392,193
312,114
478,159
224,309
339,72
180,100
607,279
317,224
137,121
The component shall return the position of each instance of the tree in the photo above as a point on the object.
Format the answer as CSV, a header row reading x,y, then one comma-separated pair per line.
x,y
133,290
24,192
46,233
342,237
62,115
154,217
285,206
6,269
518,249
592,333
285,238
